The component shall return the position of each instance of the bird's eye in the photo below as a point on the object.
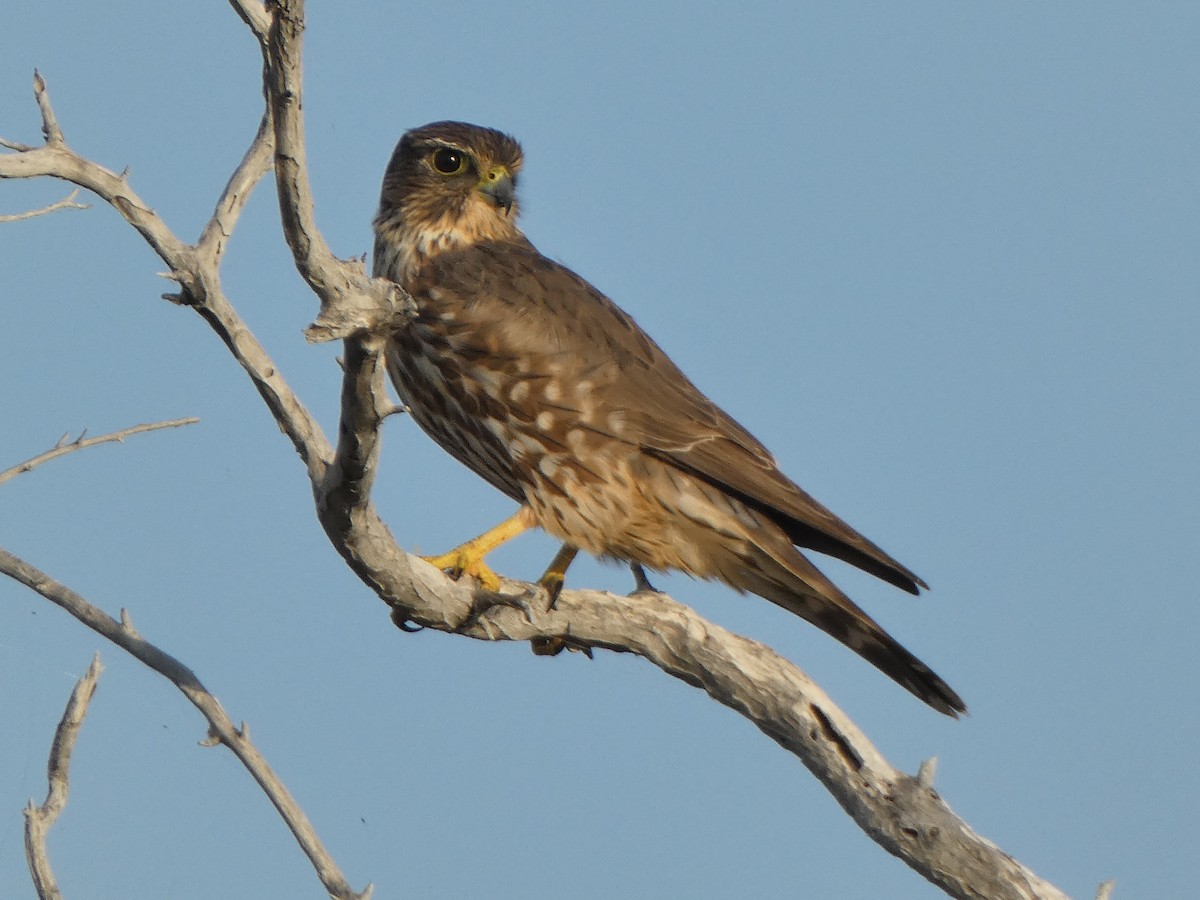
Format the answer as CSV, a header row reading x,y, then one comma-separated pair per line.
x,y
448,161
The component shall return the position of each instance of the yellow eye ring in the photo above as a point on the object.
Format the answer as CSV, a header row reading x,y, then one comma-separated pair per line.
x,y
448,161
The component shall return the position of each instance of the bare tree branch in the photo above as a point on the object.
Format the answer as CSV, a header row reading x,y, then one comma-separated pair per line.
x,y
39,819
254,165
902,813
255,16
352,303
15,145
194,268
63,446
50,130
221,727
283,76
68,202
57,160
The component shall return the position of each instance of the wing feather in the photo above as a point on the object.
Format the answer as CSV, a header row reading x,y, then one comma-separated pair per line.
x,y
661,411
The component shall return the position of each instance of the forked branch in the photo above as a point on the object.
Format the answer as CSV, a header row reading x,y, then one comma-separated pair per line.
x,y
220,727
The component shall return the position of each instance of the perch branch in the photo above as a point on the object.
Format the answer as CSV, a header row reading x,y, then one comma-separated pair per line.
x,y
904,814
40,819
221,728
63,446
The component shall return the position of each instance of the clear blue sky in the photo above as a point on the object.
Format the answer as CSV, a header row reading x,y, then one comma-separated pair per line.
x,y
940,257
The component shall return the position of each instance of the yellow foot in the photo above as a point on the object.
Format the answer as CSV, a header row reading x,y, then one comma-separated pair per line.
x,y
467,559
459,562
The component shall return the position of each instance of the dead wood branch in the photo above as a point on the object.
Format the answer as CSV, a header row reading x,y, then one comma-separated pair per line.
x,y
220,727
39,819
62,447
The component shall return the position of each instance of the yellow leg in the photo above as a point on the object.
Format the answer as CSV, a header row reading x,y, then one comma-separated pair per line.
x,y
641,582
552,581
467,559
556,572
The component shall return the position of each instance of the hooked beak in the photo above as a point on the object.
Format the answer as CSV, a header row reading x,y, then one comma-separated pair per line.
x,y
497,184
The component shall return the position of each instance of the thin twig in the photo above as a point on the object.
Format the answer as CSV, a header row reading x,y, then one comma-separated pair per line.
x,y
124,635
62,448
50,129
15,145
57,160
254,165
67,202
39,819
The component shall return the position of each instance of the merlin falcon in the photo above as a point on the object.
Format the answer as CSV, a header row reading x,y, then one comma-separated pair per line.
x,y
543,386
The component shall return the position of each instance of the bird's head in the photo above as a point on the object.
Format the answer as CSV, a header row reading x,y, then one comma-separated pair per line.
x,y
450,184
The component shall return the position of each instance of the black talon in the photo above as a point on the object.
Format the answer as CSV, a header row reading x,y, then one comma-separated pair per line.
x,y
554,589
401,620
552,646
